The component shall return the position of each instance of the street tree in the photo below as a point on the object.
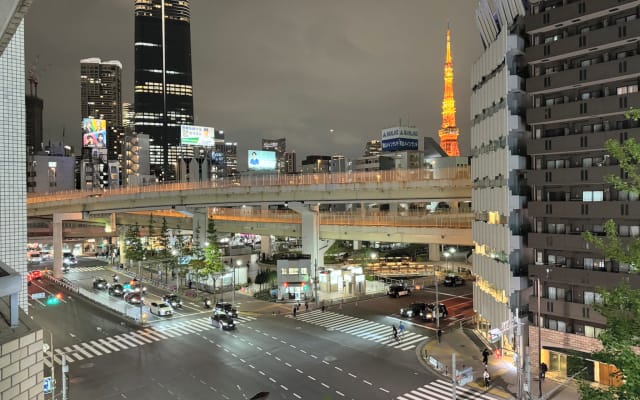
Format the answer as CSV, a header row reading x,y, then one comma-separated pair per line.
x,y
134,250
620,305
213,266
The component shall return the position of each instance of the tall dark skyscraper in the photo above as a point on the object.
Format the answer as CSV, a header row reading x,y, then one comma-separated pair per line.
x,y
163,91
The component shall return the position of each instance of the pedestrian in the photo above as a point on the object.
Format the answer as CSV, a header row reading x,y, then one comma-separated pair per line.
x,y
322,308
485,356
298,306
295,310
190,284
487,378
543,371
306,306
401,327
439,335
395,332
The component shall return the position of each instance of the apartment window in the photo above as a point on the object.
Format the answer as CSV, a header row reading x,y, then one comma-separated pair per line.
x,y
293,270
556,325
592,195
592,331
627,89
623,230
283,271
556,293
592,298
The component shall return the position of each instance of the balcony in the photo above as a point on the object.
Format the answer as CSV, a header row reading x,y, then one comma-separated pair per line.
x,y
577,277
571,142
569,176
565,309
575,45
582,109
569,14
574,209
597,74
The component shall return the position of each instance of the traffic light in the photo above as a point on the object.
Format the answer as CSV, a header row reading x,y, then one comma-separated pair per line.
x,y
303,285
286,284
53,300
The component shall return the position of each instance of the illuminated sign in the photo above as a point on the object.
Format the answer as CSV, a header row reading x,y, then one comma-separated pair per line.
x,y
192,135
94,132
260,160
399,139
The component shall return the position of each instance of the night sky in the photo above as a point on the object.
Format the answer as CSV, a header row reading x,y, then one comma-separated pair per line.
x,y
275,68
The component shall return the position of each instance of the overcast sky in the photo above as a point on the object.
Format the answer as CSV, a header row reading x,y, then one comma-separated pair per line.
x,y
275,68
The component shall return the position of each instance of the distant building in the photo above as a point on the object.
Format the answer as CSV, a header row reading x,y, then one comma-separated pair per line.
x,y
290,162
101,98
315,163
372,148
136,160
128,116
279,146
163,93
409,159
34,107
337,164
373,163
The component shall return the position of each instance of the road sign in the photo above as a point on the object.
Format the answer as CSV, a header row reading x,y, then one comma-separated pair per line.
x,y
48,384
40,295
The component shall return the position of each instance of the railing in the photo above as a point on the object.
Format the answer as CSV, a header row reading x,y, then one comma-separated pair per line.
x,y
252,181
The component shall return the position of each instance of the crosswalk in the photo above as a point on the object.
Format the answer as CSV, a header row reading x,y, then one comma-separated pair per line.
x,y
442,390
86,269
125,341
362,328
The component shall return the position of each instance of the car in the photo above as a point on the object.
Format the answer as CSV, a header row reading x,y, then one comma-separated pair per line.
x,y
69,259
34,257
133,298
453,280
224,308
134,285
430,313
398,290
173,300
116,290
33,275
100,283
414,310
222,321
160,309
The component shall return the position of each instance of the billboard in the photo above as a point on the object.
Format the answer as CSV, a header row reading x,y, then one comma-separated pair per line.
x,y
260,160
399,139
192,135
94,133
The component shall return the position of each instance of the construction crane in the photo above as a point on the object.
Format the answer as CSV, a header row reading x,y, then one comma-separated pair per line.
x,y
33,76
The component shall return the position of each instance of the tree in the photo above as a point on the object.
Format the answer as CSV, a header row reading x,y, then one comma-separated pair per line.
x,y
133,244
620,305
151,233
212,266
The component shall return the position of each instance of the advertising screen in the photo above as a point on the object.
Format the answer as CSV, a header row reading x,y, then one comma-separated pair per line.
x,y
399,139
259,160
192,135
94,132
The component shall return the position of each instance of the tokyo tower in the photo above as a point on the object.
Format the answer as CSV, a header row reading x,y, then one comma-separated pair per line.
x,y
448,131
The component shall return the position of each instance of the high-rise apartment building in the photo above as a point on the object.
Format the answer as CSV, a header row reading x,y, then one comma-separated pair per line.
x,y
540,165
34,107
128,117
290,166
101,98
584,65
163,88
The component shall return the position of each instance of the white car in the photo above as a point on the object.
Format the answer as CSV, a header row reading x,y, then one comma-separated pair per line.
x,y
160,309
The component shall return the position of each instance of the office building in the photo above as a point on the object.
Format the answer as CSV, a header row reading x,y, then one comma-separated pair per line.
x,y
315,163
128,117
290,166
22,339
279,146
584,64
34,107
373,163
136,162
337,164
163,93
101,98
372,148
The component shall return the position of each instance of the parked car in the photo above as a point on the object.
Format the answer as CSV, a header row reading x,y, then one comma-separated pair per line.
x,y
453,280
173,300
430,313
225,308
116,290
100,283
222,321
398,290
133,298
160,309
414,310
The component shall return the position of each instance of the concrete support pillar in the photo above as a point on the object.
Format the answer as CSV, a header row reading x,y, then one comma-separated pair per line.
x,y
356,245
122,246
265,245
363,210
310,232
57,240
434,252
200,220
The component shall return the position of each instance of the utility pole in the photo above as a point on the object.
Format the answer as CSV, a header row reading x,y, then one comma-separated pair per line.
x,y
65,374
437,307
454,375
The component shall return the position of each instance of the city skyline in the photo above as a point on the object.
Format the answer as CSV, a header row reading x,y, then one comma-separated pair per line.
x,y
296,73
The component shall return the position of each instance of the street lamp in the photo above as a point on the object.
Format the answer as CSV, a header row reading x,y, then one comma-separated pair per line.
x,y
539,296
437,308
233,293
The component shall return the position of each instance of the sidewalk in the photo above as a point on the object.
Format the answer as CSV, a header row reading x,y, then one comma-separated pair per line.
x,y
504,381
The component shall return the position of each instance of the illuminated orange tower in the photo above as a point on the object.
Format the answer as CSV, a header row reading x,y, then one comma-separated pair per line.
x,y
448,131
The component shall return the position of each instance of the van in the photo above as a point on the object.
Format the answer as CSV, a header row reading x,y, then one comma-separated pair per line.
x,y
398,290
